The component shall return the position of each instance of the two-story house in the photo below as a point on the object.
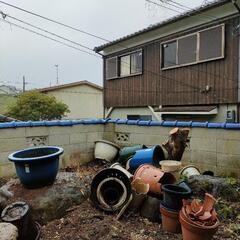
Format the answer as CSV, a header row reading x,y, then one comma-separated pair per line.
x,y
185,68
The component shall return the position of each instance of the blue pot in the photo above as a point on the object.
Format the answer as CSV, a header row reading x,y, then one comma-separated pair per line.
x,y
147,156
38,166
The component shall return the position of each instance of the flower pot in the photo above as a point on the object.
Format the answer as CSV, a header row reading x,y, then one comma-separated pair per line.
x,y
170,220
19,215
173,195
38,166
195,232
105,150
127,152
170,165
139,192
110,190
119,167
147,156
189,171
154,177
150,209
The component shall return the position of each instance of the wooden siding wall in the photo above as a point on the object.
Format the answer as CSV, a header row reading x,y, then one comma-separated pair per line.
x,y
178,86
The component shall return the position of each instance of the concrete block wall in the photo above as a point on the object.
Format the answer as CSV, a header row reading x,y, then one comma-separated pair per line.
x,y
212,149
215,149
76,140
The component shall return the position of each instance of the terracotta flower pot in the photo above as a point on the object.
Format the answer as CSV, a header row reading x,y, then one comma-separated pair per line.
x,y
170,220
195,232
154,177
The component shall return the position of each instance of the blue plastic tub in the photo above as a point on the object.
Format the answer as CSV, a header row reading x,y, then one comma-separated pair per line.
x,y
147,156
38,166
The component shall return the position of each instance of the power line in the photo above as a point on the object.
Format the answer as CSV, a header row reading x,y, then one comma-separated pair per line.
x,y
164,77
55,40
46,31
160,5
54,21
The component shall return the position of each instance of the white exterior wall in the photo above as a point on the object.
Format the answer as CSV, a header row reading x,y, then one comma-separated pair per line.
x,y
84,102
121,113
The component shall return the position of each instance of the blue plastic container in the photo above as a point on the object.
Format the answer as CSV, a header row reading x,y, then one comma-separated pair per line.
x,y
38,166
147,156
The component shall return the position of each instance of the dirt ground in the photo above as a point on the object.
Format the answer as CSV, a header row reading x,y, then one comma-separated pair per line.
x,y
85,222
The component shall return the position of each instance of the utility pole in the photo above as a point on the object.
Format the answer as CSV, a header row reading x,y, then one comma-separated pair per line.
x,y
24,84
57,72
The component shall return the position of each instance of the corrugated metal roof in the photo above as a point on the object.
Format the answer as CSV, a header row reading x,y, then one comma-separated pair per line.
x,y
163,23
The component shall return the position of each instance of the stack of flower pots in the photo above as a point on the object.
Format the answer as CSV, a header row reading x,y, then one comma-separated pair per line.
x,y
199,220
171,205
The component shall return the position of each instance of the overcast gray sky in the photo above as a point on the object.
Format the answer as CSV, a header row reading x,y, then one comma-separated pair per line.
x,y
23,53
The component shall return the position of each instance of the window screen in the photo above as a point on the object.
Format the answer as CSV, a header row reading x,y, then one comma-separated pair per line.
x,y
187,49
211,43
169,54
136,62
111,67
125,65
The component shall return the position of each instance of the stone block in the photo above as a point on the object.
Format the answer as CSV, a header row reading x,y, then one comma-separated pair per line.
x,y
4,157
204,144
59,140
7,170
228,146
78,138
12,144
94,136
12,133
87,128
109,136
37,131
146,139
60,130
230,134
228,160
203,157
206,133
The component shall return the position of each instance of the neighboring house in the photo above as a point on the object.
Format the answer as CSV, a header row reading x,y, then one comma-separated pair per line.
x,y
84,99
9,90
185,68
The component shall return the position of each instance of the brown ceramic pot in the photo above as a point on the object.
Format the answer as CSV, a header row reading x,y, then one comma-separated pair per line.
x,y
154,177
170,220
195,232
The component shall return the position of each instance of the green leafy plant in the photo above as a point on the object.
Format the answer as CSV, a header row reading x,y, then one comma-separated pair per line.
x,y
35,106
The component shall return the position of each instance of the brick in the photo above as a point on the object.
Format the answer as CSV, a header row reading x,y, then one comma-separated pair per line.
x,y
146,139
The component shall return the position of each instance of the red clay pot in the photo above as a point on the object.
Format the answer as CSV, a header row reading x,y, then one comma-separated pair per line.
x,y
194,232
154,177
170,220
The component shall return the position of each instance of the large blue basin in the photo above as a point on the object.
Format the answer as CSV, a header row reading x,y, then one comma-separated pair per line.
x,y
37,166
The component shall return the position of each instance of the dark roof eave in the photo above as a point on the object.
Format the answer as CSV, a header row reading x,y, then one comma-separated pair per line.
x,y
161,24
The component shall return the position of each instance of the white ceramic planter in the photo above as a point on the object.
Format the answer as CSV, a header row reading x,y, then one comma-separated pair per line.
x,y
105,150
189,171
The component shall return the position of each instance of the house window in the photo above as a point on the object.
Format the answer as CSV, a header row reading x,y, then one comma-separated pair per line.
x,y
131,64
187,49
214,38
169,54
194,48
111,68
